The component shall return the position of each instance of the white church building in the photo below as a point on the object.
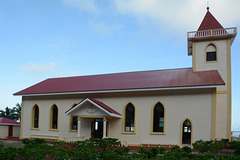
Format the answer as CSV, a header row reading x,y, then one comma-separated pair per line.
x,y
158,107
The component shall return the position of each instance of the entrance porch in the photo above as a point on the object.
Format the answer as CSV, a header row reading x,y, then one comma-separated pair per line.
x,y
98,113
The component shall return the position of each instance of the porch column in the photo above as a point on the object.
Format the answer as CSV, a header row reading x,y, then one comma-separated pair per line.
x,y
79,125
104,127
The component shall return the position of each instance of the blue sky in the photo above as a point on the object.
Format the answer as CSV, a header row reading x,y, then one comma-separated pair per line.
x,y
43,39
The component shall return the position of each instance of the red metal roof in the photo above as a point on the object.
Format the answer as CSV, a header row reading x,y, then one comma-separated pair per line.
x,y
124,81
209,22
8,121
101,104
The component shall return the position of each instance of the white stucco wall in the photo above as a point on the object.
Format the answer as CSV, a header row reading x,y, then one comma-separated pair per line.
x,y
196,105
220,65
222,105
3,131
16,131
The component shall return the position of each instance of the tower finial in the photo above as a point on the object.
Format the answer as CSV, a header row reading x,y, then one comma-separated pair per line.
x,y
207,5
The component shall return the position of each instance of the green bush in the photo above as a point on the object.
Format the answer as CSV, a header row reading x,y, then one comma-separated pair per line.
x,y
237,151
26,141
122,151
208,146
162,150
89,150
186,149
233,144
39,141
175,148
154,151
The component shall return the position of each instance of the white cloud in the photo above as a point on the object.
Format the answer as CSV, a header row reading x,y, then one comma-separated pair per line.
x,y
36,68
85,5
105,28
60,74
180,15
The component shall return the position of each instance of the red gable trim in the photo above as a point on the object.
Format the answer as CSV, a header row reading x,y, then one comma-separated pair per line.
x,y
101,104
8,121
209,22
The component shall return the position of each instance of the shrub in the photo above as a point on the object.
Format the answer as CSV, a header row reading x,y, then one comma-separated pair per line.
x,y
186,149
39,141
26,141
175,148
122,151
145,153
233,144
154,151
162,150
208,146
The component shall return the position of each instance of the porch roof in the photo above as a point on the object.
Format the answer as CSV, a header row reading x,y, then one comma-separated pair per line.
x,y
100,105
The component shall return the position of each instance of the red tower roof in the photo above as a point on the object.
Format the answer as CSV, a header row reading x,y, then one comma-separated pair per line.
x,y
209,22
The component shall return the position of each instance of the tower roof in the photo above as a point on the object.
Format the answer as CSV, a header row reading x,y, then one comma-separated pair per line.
x,y
209,22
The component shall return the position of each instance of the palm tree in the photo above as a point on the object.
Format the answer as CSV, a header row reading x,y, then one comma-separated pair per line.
x,y
12,113
8,112
17,111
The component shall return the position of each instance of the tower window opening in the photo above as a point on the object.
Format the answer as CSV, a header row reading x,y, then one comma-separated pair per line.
x,y
211,54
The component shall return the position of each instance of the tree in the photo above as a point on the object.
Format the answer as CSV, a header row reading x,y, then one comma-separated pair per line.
x,y
8,112
12,113
17,110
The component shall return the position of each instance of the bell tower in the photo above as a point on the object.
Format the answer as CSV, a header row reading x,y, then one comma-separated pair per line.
x,y
210,48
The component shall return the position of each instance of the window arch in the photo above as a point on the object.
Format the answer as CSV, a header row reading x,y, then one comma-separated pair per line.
x,y
35,117
158,119
211,53
186,132
54,117
129,118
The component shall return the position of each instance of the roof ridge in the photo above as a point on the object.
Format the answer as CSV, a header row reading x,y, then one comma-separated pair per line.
x,y
117,73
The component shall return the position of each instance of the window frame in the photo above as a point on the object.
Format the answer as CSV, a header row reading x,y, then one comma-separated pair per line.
x,y
124,119
152,119
206,53
33,117
71,124
51,118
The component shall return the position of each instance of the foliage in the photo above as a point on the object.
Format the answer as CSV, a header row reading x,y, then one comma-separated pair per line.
x,y
7,112
237,151
101,149
17,110
233,144
186,149
162,150
12,113
208,146
175,148
154,151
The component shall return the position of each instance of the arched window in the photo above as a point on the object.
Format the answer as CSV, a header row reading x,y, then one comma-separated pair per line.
x,y
129,118
54,117
211,53
35,117
158,118
186,132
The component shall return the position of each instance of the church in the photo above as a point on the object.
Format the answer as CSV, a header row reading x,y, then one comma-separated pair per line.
x,y
157,107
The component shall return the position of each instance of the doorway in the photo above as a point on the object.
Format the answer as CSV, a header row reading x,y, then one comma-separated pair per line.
x,y
186,132
10,131
97,128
